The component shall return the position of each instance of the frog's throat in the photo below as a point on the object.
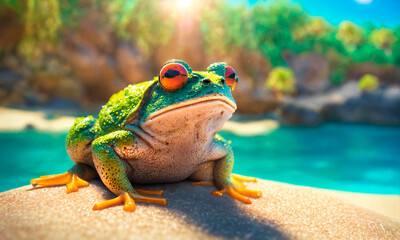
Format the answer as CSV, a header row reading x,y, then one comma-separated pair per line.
x,y
230,105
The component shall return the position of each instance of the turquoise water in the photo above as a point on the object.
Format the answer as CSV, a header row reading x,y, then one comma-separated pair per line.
x,y
349,157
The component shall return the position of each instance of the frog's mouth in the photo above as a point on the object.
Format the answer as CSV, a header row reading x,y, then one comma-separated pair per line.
x,y
226,102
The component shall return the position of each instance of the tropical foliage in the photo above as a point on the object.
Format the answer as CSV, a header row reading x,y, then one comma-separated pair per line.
x,y
383,38
270,29
368,83
281,80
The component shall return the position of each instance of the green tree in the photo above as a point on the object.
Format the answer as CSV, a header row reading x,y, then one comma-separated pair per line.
x,y
273,24
382,38
281,80
142,22
396,47
349,33
316,28
42,24
368,82
226,26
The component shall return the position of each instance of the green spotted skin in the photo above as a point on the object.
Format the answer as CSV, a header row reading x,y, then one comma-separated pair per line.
x,y
121,106
223,168
108,164
93,141
82,131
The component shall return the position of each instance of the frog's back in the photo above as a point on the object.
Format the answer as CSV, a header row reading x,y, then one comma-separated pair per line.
x,y
121,106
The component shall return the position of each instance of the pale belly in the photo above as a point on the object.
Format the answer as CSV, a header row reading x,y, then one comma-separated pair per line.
x,y
170,147
163,163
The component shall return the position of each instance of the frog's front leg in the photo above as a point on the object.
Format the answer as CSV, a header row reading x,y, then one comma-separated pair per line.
x,y
112,172
222,178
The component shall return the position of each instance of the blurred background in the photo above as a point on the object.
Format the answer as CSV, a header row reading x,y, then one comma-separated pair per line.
x,y
318,96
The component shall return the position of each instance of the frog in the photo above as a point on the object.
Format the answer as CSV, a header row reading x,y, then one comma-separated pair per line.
x,y
160,131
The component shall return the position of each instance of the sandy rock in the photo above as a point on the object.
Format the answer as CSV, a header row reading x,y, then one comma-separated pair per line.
x,y
378,107
284,212
346,104
250,94
311,72
93,32
131,64
389,74
94,70
11,29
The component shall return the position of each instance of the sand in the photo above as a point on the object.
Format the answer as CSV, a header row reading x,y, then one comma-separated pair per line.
x,y
251,128
16,120
284,212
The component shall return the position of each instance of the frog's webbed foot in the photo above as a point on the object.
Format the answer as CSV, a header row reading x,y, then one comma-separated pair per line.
x,y
238,180
128,199
74,178
72,181
234,188
237,189
238,193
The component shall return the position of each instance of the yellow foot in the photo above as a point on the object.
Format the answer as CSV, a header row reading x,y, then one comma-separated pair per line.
x,y
238,193
236,188
72,181
129,201
238,180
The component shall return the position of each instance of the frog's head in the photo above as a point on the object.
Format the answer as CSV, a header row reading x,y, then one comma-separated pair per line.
x,y
195,95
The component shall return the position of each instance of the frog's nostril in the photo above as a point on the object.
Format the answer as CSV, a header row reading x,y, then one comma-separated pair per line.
x,y
206,81
223,81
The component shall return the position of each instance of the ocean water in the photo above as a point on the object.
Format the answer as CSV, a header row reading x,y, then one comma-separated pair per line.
x,y
348,157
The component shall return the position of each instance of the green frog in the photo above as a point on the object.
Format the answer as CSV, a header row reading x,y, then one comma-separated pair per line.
x,y
159,131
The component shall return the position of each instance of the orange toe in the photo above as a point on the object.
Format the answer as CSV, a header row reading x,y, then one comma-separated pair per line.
x,y
72,181
249,192
150,192
231,191
125,198
243,178
204,183
129,201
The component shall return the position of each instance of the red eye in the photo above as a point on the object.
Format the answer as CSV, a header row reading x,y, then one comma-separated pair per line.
x,y
173,76
230,77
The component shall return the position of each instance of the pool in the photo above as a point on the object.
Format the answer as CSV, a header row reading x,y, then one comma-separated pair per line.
x,y
348,157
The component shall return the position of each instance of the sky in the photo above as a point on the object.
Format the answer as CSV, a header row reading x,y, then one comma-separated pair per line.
x,y
380,12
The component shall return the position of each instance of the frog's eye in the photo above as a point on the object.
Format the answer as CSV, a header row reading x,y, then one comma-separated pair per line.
x,y
230,77
173,76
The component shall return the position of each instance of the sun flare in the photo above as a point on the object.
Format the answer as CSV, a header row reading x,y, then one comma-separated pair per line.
x,y
364,1
184,4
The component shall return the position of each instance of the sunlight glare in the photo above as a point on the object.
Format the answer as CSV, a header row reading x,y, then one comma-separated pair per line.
x,y
364,1
183,4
